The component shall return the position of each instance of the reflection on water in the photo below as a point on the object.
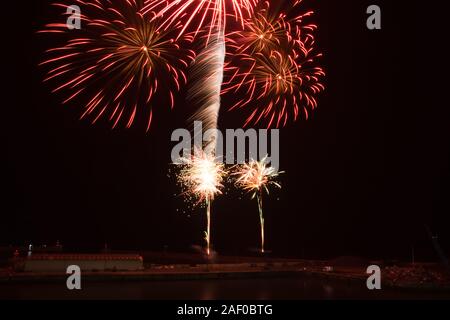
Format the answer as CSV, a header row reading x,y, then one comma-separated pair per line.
x,y
298,288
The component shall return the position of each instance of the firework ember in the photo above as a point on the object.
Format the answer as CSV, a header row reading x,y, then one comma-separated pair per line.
x,y
209,19
256,177
274,64
200,13
118,63
202,175
267,29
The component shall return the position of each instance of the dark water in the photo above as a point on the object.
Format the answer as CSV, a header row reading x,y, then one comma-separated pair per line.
x,y
297,288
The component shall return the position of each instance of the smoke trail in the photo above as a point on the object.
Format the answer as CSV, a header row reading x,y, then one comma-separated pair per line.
x,y
206,83
206,77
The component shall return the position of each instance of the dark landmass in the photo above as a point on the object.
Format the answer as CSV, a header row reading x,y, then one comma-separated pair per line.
x,y
185,266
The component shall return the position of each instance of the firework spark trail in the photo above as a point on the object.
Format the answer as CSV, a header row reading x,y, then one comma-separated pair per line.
x,y
203,173
256,177
118,63
268,29
205,90
211,13
200,17
202,176
204,93
274,65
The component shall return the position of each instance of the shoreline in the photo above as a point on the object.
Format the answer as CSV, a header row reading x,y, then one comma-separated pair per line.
x,y
217,272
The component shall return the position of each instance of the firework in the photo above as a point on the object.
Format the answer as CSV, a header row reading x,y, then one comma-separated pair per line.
x,y
256,177
269,29
118,64
202,176
207,18
196,14
274,65
206,77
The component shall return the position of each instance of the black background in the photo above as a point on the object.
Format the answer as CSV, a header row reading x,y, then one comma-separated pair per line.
x,y
363,175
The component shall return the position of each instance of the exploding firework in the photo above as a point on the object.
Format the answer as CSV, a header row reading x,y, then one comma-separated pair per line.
x,y
118,64
205,85
196,14
274,65
256,177
202,176
207,18
269,29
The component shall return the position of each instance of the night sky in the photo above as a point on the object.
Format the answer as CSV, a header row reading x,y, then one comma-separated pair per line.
x,y
363,175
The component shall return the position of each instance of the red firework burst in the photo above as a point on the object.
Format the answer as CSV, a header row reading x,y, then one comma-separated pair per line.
x,y
273,62
118,63
200,13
